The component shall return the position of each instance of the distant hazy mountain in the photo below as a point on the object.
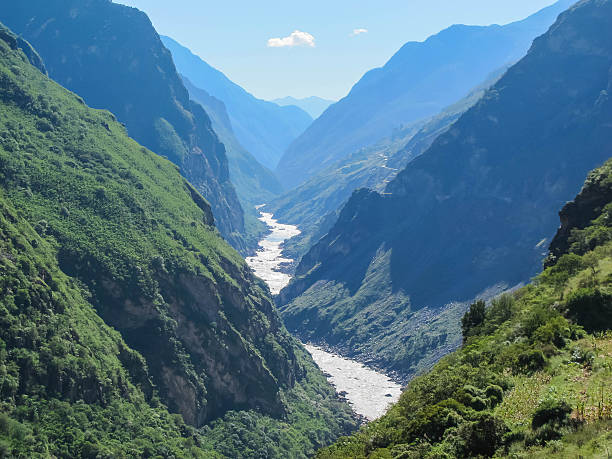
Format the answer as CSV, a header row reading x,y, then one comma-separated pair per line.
x,y
471,214
254,183
313,105
315,204
112,56
417,82
264,128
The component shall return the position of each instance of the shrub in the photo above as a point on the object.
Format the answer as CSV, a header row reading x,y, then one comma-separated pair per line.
x,y
557,331
582,356
473,318
495,394
432,421
530,361
536,317
501,309
44,126
591,308
483,436
551,411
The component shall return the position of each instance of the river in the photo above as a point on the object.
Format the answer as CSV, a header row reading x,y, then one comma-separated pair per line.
x,y
268,260
369,392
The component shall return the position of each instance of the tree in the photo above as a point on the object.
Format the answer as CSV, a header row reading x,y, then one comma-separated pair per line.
x,y
473,318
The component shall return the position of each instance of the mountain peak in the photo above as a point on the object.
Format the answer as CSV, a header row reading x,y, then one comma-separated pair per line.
x,y
419,81
312,105
262,127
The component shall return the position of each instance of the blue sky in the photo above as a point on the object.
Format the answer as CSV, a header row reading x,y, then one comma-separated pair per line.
x,y
250,41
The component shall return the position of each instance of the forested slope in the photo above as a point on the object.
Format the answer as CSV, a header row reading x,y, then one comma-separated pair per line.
x,y
533,377
121,303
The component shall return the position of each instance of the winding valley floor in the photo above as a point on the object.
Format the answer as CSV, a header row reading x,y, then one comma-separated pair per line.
x,y
369,392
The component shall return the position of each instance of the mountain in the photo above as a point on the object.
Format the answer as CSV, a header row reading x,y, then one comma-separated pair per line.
x,y
419,81
312,105
263,128
314,206
130,328
111,56
255,184
531,379
471,215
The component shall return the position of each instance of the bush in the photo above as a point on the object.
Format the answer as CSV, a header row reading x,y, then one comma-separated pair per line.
x,y
495,394
591,308
530,361
557,331
501,309
536,317
551,411
473,318
432,421
483,436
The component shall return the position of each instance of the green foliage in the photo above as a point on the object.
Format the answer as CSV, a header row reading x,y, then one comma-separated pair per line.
x,y
591,308
473,318
551,411
528,382
315,419
121,304
147,94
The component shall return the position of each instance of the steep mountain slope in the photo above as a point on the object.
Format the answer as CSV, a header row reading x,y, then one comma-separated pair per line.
x,y
315,204
312,105
470,214
533,377
263,128
417,82
111,56
119,298
254,183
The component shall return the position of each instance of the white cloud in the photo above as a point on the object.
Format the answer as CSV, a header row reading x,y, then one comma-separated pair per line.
x,y
358,32
297,38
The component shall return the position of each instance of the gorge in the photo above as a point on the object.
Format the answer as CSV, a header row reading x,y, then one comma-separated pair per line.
x,y
368,391
191,269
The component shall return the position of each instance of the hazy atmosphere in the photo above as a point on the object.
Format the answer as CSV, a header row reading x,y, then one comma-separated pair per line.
x,y
306,230
344,38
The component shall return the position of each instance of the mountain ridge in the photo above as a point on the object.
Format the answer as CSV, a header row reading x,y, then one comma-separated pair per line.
x,y
120,302
417,82
111,55
525,382
262,127
312,105
472,212
312,205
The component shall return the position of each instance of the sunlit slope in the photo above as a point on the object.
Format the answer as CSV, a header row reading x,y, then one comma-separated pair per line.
x,y
121,303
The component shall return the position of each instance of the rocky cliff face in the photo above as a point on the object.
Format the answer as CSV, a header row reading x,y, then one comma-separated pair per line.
x,y
473,212
576,215
314,205
120,303
254,183
138,241
112,56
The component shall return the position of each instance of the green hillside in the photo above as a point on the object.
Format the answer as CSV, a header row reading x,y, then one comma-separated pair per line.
x,y
314,206
111,56
471,216
121,303
534,376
